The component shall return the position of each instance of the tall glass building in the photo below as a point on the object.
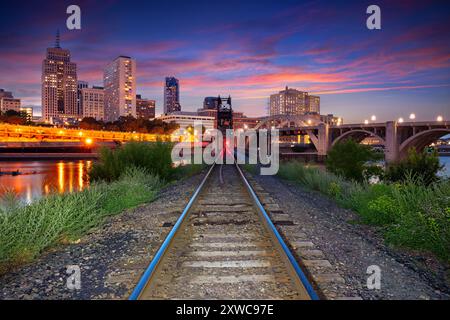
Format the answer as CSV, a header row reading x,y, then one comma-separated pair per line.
x,y
171,95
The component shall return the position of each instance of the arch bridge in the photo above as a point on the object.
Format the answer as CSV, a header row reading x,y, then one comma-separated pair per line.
x,y
396,137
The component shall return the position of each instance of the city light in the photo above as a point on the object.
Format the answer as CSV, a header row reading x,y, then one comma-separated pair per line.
x,y
245,126
439,118
412,116
309,121
366,121
400,120
89,141
373,118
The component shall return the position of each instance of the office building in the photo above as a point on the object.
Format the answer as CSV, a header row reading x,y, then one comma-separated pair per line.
x,y
80,85
171,95
92,102
59,84
186,119
28,111
288,102
120,88
211,103
8,102
145,108
313,104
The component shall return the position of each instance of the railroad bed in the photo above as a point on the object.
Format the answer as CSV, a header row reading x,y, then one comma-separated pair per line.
x,y
223,249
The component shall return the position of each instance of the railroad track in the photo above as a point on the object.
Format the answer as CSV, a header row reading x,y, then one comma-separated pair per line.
x,y
223,246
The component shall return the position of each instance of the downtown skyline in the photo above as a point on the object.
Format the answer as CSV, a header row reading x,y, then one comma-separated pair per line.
x,y
249,51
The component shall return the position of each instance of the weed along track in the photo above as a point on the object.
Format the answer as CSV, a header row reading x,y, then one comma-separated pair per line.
x,y
223,247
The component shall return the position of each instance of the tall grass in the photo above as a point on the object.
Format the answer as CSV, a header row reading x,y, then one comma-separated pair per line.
x,y
155,158
25,231
409,214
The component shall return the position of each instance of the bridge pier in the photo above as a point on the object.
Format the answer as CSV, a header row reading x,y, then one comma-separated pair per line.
x,y
392,144
323,140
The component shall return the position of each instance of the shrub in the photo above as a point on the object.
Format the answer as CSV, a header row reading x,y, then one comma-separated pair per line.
x,y
348,159
422,166
155,158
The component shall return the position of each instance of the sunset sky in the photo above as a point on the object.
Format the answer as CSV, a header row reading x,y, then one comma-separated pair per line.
x,y
248,49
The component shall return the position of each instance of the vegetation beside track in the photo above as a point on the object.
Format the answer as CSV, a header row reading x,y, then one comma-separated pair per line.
x,y
122,179
410,212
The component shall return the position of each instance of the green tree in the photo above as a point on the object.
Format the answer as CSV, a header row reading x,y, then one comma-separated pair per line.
x,y
349,159
423,167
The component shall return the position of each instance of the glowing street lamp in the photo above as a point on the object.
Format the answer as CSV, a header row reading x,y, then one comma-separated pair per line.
x,y
440,118
412,116
400,120
373,118
89,141
366,121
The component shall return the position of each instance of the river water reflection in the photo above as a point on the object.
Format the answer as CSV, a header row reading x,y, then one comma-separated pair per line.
x,y
42,177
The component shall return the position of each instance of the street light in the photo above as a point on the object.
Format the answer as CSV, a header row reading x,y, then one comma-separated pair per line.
x,y
373,118
366,121
440,118
412,116
400,120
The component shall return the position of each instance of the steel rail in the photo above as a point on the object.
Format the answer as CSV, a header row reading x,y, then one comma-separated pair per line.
x,y
150,271
301,275
160,253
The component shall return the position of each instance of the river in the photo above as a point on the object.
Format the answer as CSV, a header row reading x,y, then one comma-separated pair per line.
x,y
40,178
446,162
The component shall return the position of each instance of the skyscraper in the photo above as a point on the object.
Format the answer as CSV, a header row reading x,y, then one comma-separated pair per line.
x,y
120,88
59,84
171,95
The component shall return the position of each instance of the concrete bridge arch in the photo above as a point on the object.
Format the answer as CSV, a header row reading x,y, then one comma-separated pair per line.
x,y
420,140
358,135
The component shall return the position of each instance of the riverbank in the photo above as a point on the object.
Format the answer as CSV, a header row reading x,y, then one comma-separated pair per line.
x,y
27,230
111,257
